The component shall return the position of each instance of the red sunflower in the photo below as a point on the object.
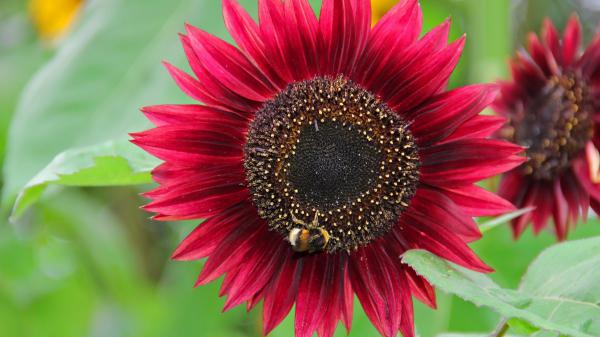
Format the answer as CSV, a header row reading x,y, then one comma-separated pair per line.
x,y
553,104
324,150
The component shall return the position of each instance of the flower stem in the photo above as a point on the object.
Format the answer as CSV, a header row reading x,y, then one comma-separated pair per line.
x,y
501,329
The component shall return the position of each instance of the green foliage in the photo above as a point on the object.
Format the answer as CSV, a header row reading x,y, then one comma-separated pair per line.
x,y
522,327
73,272
20,56
502,220
564,282
104,165
90,92
559,293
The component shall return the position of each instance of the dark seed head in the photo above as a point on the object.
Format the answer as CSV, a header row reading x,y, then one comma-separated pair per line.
x,y
333,163
328,146
554,126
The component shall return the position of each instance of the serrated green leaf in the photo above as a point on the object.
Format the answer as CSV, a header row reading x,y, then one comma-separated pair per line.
x,y
102,165
533,305
565,280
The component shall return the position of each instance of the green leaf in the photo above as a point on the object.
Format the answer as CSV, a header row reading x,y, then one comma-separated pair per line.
x,y
503,219
91,91
102,165
565,282
548,298
522,327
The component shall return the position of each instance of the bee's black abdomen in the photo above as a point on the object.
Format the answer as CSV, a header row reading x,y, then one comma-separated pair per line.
x,y
317,240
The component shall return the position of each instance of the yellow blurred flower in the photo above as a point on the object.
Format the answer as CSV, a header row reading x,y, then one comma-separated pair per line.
x,y
380,7
52,18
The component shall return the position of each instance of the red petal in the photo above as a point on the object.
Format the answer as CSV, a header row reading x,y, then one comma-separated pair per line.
x,y
260,264
581,168
576,196
171,174
513,186
347,306
476,201
196,180
229,66
231,251
281,293
542,57
198,204
397,30
362,27
589,62
192,144
407,321
191,113
343,28
529,199
447,111
551,39
543,204
209,90
202,241
417,230
380,290
272,31
312,300
595,206
189,85
527,75
251,304
442,209
246,34
465,162
401,25
301,27
423,79
571,40
421,289
477,127
560,212
329,321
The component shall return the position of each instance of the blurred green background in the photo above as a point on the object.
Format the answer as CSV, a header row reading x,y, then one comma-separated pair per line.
x,y
86,261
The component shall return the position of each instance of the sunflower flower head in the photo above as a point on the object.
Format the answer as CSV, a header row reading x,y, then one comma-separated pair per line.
x,y
323,149
551,104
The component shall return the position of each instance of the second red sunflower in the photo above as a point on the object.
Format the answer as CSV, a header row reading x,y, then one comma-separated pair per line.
x,y
553,104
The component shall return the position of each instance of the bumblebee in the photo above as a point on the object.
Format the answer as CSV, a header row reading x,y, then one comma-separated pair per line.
x,y
310,237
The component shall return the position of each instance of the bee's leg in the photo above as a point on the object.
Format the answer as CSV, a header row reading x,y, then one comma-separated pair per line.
x,y
296,220
315,222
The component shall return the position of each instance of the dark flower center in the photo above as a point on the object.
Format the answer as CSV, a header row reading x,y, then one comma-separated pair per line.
x,y
333,163
328,147
554,126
